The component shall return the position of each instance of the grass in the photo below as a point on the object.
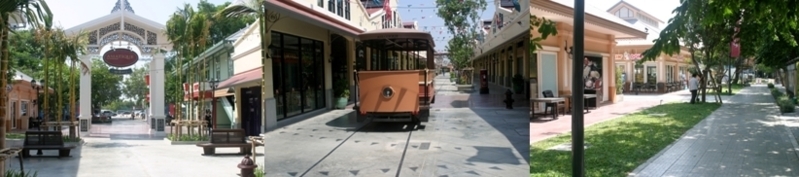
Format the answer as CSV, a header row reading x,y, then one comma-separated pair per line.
x,y
735,89
618,146
15,135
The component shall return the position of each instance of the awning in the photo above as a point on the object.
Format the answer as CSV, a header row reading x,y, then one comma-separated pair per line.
x,y
243,77
305,13
223,92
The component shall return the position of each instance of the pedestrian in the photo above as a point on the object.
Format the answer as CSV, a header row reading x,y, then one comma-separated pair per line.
x,y
208,122
693,85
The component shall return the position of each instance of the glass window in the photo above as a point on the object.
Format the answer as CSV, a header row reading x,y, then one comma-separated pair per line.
x,y
639,74
347,10
340,7
320,3
277,73
331,6
319,67
298,74
651,74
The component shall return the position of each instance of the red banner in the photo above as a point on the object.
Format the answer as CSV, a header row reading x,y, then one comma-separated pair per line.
x,y
735,45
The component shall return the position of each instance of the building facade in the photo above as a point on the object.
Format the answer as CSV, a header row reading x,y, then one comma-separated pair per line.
x,y
22,103
650,76
312,46
502,49
551,66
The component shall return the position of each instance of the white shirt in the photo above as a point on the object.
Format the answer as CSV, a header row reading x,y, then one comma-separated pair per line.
x,y
693,84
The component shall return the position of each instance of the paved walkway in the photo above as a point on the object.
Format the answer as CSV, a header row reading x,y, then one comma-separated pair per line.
x,y
468,134
744,137
544,127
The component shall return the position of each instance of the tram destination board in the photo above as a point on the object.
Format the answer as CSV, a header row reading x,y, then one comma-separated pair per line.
x,y
120,71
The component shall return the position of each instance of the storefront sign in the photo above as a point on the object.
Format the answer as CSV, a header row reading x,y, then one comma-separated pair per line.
x,y
120,57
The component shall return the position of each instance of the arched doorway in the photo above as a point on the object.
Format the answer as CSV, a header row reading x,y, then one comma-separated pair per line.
x,y
122,28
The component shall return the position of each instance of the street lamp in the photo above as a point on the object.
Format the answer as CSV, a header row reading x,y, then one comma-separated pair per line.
x,y
214,83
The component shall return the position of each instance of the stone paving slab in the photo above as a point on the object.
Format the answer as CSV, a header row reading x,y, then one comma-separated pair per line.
x,y
741,138
455,142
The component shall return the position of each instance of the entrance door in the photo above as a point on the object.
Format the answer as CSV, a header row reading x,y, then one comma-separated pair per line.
x,y
339,62
548,74
251,111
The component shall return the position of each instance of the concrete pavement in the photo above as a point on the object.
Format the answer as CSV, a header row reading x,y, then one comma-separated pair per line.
x,y
744,137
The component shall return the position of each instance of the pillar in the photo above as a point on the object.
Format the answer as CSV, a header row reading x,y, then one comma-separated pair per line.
x,y
85,101
157,102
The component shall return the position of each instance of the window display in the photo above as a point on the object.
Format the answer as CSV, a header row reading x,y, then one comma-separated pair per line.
x,y
298,74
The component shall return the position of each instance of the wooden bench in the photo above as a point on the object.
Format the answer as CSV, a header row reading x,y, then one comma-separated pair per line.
x,y
45,140
226,138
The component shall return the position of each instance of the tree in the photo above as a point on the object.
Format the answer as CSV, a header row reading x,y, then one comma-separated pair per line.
x,y
26,52
107,85
35,13
543,28
462,20
134,86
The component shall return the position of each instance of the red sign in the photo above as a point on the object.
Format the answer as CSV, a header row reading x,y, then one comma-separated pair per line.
x,y
120,57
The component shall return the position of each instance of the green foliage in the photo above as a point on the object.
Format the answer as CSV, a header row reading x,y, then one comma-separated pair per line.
x,y
618,146
342,88
105,86
544,28
462,20
785,103
20,173
15,135
134,86
770,85
186,137
68,139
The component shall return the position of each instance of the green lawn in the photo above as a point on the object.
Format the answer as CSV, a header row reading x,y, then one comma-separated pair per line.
x,y
618,146
735,89
15,135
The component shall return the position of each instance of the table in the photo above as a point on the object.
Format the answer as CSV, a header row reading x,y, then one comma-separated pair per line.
x,y
545,100
586,99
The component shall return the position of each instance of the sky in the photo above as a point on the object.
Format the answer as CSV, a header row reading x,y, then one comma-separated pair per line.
x,y
70,13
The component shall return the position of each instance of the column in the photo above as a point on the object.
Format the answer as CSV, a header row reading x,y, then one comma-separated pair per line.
x,y
85,101
157,95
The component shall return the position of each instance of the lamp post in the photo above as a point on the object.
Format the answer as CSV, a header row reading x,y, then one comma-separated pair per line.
x,y
578,168
38,87
214,83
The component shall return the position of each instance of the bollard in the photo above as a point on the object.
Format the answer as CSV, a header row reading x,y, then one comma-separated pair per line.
x,y
508,99
247,167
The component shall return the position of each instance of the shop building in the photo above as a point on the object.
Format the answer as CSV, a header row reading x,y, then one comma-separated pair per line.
x,y
502,48
313,45
551,67
22,103
665,73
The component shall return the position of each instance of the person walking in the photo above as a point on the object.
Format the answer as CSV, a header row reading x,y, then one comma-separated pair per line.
x,y
209,125
693,86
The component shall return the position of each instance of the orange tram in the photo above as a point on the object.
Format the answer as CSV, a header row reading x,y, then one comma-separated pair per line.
x,y
398,84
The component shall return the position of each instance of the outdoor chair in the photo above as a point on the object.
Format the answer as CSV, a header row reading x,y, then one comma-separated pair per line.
x,y
554,106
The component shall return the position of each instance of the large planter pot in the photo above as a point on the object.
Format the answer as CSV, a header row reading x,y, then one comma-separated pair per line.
x,y
341,102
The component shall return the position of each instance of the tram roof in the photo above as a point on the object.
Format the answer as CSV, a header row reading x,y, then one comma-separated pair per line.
x,y
400,35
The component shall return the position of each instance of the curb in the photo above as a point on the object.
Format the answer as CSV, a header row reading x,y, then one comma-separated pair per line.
x,y
790,134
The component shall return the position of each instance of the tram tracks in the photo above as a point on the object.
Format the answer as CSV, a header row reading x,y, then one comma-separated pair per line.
x,y
359,130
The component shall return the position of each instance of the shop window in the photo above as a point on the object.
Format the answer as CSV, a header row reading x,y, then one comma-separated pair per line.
x,y
297,69
331,6
651,74
639,73
669,73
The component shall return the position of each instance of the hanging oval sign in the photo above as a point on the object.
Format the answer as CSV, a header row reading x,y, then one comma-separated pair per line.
x,y
120,57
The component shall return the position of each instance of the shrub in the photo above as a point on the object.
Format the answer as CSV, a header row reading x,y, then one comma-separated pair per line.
x,y
770,85
786,104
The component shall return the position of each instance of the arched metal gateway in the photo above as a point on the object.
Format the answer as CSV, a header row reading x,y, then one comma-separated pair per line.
x,y
105,34
397,85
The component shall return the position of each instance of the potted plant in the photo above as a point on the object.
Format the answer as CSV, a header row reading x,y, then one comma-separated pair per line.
x,y
518,83
342,93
